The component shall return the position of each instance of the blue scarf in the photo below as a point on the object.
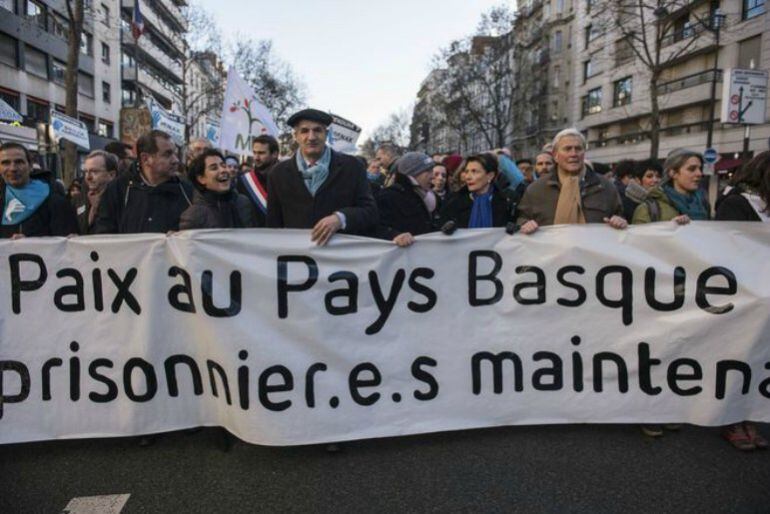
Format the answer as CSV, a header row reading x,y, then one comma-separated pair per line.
x,y
694,204
317,174
481,213
21,203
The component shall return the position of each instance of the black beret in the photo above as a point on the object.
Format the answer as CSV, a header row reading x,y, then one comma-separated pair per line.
x,y
311,115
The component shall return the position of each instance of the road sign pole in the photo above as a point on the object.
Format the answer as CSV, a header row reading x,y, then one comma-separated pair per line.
x,y
746,140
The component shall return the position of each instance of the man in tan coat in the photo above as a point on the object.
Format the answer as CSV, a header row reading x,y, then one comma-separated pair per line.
x,y
573,194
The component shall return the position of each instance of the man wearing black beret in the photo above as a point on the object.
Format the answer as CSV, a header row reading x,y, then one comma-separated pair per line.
x,y
319,188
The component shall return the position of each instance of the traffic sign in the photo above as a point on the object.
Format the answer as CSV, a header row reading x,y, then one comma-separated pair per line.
x,y
710,155
747,91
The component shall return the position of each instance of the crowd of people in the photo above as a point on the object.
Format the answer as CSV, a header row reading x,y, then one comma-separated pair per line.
x,y
393,196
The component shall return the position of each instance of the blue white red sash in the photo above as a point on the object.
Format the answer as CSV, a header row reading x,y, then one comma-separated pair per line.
x,y
256,190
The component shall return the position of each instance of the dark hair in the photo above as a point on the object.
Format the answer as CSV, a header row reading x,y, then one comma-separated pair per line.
x,y
11,145
756,175
600,167
116,148
362,160
625,168
198,166
650,164
488,162
522,160
270,141
148,142
110,159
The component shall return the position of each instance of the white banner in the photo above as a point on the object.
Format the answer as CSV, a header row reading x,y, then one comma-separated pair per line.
x,y
243,116
212,132
285,343
170,123
343,135
65,127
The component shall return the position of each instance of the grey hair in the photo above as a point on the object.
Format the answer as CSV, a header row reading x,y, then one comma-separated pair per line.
x,y
568,132
110,159
676,159
390,149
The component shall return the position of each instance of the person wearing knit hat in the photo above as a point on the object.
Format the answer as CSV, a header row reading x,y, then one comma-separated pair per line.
x,y
407,206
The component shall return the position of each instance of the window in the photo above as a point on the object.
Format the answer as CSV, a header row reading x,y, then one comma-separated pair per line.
x,y
37,110
86,44
11,99
127,60
88,121
753,8
622,92
556,77
36,12
591,33
85,85
592,102
7,5
9,53
559,6
557,42
105,53
58,69
104,12
60,26
624,52
106,96
749,52
105,129
589,5
35,62
589,69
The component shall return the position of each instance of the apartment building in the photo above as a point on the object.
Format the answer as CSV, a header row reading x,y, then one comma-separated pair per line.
x,y
153,65
613,85
33,56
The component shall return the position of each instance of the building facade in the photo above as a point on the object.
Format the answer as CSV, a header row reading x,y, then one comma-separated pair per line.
x,y
613,84
33,56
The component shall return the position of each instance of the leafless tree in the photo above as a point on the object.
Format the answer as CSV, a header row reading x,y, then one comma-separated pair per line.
x,y
274,82
659,33
395,130
76,12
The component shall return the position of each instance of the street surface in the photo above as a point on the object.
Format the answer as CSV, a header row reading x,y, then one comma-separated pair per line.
x,y
577,468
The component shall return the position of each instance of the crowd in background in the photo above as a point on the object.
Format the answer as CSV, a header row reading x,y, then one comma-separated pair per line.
x,y
394,196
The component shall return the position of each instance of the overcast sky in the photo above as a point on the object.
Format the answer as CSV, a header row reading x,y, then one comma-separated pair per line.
x,y
361,59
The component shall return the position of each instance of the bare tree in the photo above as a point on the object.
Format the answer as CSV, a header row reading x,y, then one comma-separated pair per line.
x,y
202,77
395,130
76,13
659,33
274,82
477,92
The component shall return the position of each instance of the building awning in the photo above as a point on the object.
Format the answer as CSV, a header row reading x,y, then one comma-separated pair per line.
x,y
23,135
727,164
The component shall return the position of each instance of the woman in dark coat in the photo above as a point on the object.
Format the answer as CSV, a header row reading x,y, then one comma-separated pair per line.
x,y
747,200
215,203
478,204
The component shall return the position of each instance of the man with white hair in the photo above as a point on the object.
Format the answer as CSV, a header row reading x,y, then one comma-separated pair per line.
x,y
573,193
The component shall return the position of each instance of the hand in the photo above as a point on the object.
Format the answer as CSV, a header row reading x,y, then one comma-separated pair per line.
x,y
404,240
325,229
616,222
529,227
682,219
18,236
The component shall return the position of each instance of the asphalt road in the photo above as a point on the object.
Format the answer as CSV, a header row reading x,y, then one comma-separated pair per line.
x,y
586,468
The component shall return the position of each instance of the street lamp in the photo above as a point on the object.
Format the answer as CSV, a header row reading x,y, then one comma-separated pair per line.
x,y
715,26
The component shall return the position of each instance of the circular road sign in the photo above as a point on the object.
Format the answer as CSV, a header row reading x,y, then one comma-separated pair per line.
x,y
710,155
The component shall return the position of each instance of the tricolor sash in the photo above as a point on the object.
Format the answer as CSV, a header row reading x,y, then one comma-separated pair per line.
x,y
256,190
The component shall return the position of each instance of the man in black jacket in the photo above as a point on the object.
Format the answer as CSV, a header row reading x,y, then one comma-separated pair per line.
x,y
31,205
407,206
150,198
319,188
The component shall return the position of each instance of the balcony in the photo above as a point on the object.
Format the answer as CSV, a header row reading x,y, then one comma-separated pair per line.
x,y
153,53
704,77
158,26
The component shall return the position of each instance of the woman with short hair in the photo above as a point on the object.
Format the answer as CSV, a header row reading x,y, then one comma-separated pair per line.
x,y
478,203
215,204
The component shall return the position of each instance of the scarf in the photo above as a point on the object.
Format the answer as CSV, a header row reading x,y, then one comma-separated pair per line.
x,y
428,197
692,204
93,204
569,208
21,203
316,174
481,212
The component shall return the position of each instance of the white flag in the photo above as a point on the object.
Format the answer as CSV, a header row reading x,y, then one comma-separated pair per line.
x,y
243,116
